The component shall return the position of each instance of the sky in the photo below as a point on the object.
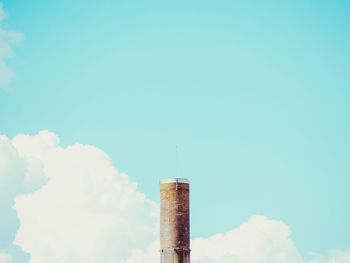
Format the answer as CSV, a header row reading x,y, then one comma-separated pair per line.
x,y
249,100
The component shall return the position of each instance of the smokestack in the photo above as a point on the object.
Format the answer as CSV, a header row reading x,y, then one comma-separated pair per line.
x,y
174,221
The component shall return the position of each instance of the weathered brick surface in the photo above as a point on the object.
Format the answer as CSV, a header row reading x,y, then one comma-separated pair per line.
x,y
174,222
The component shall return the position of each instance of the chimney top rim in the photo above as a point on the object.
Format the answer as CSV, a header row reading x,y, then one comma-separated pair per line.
x,y
174,180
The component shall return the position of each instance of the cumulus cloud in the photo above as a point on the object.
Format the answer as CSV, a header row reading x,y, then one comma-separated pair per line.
x,y
150,254
86,212
7,40
74,206
5,258
19,174
335,256
259,240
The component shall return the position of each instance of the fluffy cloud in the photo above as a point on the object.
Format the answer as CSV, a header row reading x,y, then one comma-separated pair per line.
x,y
7,40
336,256
259,240
17,176
149,255
5,258
86,212
74,206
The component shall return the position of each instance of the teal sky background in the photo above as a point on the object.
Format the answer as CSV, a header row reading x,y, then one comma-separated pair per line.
x,y
255,94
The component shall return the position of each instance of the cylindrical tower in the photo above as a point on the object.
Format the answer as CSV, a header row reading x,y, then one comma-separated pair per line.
x,y
174,221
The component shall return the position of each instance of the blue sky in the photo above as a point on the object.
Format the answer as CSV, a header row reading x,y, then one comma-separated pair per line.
x,y
254,94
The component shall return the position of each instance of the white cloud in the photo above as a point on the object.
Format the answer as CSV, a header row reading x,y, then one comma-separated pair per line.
x,y
21,172
259,240
74,206
18,175
336,256
4,257
7,40
149,255
87,211
12,169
